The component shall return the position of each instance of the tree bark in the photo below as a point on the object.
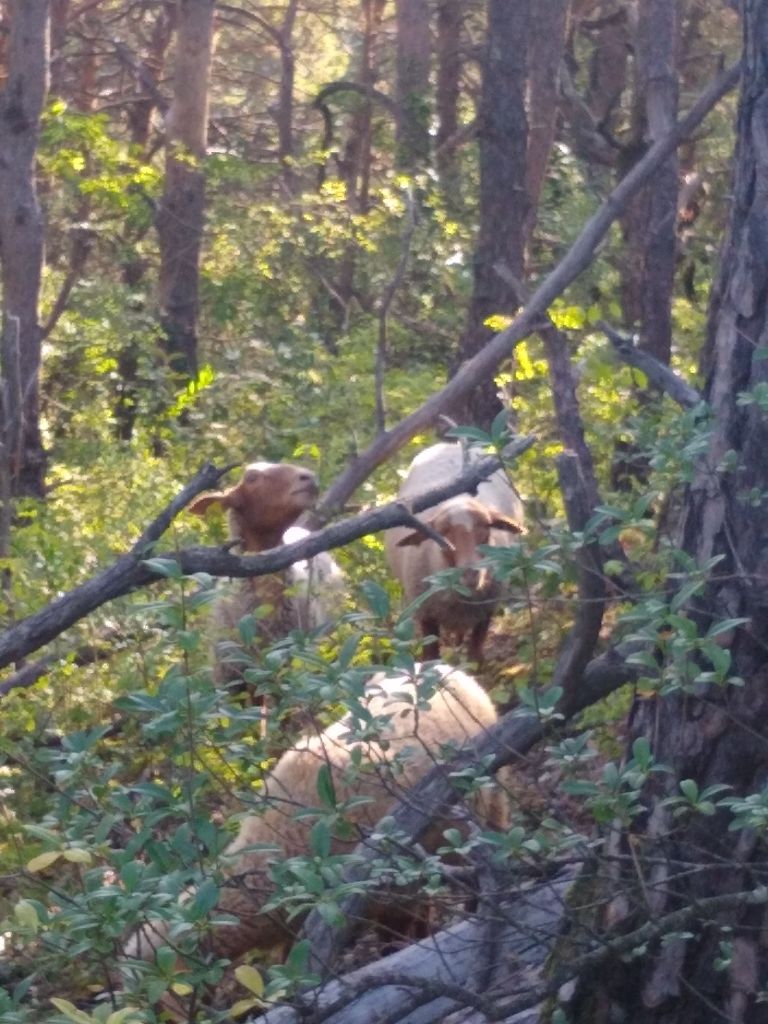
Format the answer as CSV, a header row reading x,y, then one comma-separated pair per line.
x,y
503,136
714,734
21,221
413,107
449,19
650,224
547,46
181,211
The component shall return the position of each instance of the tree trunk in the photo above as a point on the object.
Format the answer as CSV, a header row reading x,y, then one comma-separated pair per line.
x,y
714,734
650,223
413,108
449,17
21,221
503,136
608,65
150,72
180,214
547,46
355,162
284,115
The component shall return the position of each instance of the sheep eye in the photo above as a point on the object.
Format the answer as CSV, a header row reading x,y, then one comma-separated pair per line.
x,y
252,476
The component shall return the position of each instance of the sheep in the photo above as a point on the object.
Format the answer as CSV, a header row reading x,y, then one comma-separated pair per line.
x,y
415,716
261,508
464,522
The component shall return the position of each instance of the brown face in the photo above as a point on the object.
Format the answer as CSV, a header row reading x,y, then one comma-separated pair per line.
x,y
464,526
266,501
273,496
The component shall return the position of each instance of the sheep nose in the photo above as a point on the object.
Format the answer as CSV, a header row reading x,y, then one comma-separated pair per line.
x,y
308,481
472,578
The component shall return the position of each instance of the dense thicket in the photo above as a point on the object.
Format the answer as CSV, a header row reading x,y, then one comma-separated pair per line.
x,y
310,232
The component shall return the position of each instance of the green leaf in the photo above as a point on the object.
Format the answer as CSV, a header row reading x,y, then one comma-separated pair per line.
x,y
685,593
71,1011
725,626
325,787
205,900
690,790
43,860
320,839
250,978
167,567
26,915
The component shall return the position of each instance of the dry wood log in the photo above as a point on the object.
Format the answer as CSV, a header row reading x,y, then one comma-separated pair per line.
x,y
428,980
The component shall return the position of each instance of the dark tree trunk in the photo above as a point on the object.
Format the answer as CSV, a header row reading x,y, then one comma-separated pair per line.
x,y
150,71
21,221
608,65
651,221
355,162
284,115
503,138
413,107
449,17
182,207
547,45
715,735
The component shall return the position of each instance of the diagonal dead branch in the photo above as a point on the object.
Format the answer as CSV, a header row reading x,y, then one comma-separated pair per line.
x,y
130,571
576,260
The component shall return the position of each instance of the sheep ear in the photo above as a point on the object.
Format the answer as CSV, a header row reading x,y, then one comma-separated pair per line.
x,y
412,540
500,522
201,505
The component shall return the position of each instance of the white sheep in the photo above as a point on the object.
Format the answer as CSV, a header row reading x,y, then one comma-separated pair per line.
x,y
261,509
464,522
401,727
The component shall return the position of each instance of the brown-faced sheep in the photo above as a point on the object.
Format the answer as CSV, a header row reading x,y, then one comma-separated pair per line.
x,y
261,508
400,727
464,522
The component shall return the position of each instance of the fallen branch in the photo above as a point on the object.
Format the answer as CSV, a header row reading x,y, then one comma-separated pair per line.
x,y
659,375
441,973
131,570
576,260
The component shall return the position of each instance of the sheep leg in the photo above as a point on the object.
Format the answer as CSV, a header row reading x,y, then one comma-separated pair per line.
x,y
430,651
476,641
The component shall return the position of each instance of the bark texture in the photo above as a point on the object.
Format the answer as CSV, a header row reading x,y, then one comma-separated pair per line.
x,y
548,35
21,222
181,211
449,18
503,139
714,735
413,107
651,221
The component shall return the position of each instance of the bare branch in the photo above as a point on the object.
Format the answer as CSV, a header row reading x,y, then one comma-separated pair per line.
x,y
658,374
343,85
130,571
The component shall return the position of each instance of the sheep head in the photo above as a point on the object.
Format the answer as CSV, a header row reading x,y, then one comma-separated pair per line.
x,y
464,525
264,503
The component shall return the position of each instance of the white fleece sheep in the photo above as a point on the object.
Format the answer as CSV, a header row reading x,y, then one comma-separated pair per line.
x,y
261,508
415,719
464,522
